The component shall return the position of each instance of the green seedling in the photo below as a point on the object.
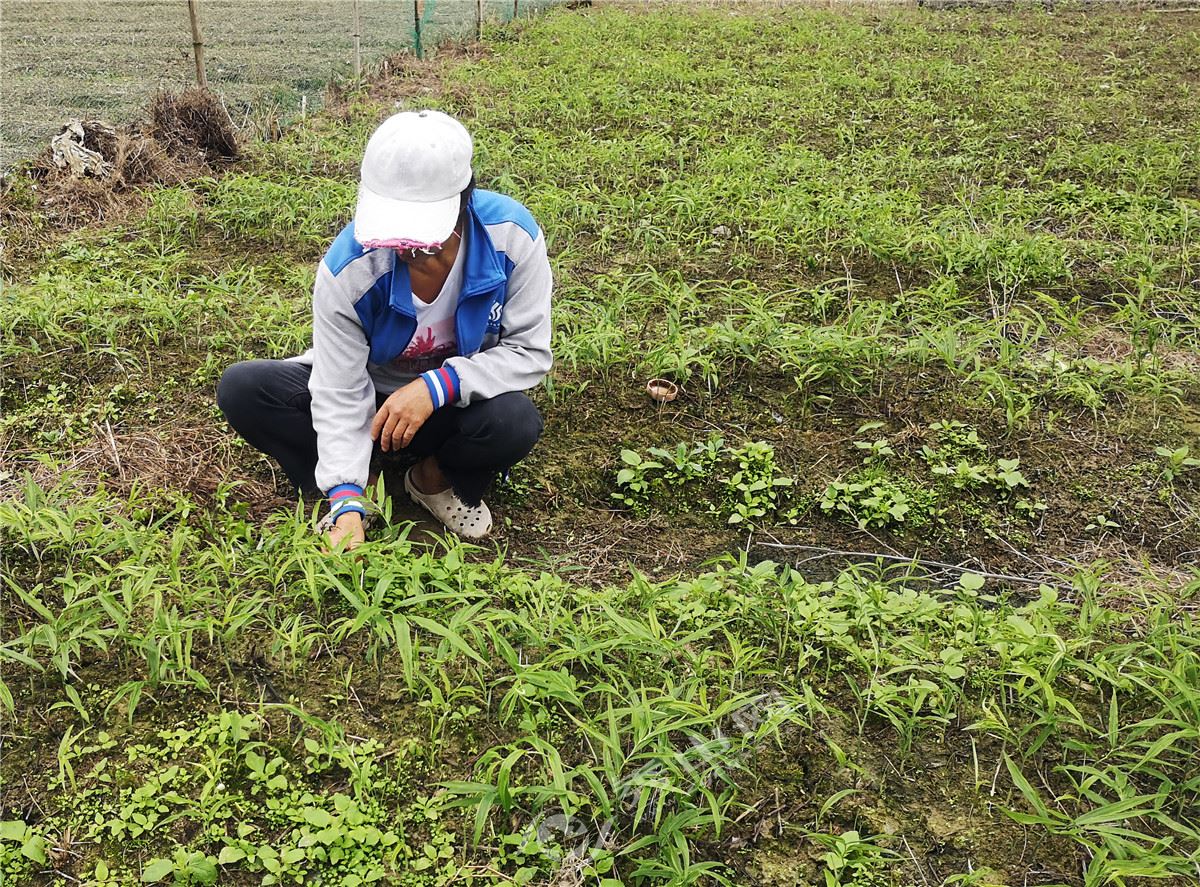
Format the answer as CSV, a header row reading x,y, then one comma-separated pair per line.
x,y
1176,462
874,451
1102,523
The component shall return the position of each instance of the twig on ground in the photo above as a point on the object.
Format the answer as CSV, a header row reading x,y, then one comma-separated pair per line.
x,y
824,551
112,442
916,862
750,810
1064,564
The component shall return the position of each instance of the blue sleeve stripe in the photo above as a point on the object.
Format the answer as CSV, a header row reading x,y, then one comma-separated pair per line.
x,y
442,384
435,389
344,250
353,505
493,209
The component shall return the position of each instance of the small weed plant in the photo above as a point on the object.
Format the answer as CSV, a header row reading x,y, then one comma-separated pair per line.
x,y
741,484
1175,462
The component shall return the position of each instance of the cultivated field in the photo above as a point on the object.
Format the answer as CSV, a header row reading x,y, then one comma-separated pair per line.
x,y
103,58
901,590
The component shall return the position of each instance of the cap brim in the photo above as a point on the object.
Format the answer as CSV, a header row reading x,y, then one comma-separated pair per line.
x,y
382,218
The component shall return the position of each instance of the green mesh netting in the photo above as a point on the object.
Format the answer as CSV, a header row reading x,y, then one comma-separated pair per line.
x,y
440,20
105,58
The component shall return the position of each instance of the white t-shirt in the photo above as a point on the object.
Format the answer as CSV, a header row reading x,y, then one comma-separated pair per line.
x,y
435,338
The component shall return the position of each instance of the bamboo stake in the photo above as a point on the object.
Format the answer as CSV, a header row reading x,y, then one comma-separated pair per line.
x,y
197,44
357,42
478,19
417,29
515,2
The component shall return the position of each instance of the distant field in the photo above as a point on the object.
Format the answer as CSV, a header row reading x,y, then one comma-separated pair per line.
x,y
103,59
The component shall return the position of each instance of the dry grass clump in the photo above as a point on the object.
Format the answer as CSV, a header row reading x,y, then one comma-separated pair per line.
x,y
183,457
192,126
188,134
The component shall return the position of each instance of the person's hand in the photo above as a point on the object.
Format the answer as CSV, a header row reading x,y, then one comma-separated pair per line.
x,y
401,416
347,533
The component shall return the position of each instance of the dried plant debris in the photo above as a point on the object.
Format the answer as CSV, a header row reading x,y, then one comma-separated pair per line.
x,y
193,122
91,169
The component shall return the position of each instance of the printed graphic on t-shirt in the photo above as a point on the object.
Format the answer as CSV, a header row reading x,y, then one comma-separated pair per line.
x,y
429,348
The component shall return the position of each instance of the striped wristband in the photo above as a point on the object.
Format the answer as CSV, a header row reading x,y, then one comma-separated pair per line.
x,y
442,384
356,505
344,498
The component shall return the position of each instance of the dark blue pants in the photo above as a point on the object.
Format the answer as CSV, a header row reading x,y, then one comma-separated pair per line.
x,y
267,402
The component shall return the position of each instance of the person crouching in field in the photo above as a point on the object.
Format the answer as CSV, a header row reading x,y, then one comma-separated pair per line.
x,y
431,316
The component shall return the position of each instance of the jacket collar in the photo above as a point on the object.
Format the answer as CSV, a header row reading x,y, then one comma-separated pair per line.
x,y
482,271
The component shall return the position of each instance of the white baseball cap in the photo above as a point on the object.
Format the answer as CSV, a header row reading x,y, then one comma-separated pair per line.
x,y
416,165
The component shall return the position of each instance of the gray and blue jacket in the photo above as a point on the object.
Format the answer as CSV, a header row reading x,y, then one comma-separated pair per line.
x,y
363,318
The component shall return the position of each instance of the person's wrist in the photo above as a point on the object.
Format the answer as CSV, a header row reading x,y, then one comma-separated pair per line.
x,y
348,517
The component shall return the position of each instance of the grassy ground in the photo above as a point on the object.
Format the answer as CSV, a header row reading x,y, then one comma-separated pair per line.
x,y
102,58
901,589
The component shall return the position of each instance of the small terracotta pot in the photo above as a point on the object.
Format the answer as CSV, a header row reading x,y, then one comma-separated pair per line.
x,y
662,390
